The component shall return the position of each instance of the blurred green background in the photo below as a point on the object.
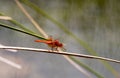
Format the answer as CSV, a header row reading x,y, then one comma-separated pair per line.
x,y
94,21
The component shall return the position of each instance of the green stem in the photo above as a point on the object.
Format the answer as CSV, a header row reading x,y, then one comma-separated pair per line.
x,y
86,67
10,27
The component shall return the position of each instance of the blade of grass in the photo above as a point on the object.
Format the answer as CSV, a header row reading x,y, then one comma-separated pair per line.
x,y
16,29
61,53
86,67
84,44
19,25
31,19
5,18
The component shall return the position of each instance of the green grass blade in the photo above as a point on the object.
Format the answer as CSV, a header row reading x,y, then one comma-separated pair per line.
x,y
19,25
86,67
84,44
16,29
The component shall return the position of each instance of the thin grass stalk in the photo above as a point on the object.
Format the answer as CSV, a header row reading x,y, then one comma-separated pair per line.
x,y
16,29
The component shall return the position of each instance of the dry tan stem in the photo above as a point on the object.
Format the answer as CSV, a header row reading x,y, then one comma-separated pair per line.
x,y
31,19
60,52
5,18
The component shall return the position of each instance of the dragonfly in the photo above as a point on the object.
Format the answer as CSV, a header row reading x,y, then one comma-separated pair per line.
x,y
53,43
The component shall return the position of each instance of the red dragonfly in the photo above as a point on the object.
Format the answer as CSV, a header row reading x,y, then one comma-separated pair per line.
x,y
54,44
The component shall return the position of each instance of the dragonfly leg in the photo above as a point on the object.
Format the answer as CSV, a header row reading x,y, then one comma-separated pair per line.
x,y
52,49
56,49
